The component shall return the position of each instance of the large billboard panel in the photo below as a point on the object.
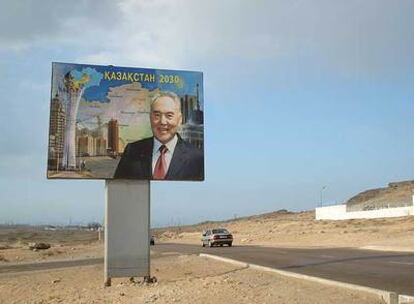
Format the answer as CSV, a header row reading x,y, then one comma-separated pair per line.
x,y
111,122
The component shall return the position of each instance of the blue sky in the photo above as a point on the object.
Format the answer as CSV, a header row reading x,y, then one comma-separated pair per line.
x,y
298,95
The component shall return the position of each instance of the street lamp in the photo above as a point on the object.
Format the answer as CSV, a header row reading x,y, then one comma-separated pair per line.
x,y
323,188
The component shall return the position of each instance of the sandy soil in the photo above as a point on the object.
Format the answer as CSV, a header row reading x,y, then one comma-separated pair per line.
x,y
61,252
193,279
302,230
14,245
181,279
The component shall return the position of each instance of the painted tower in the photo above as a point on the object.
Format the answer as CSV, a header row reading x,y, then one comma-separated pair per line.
x,y
72,90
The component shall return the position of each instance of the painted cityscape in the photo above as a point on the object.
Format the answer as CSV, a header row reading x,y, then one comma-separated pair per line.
x,y
96,111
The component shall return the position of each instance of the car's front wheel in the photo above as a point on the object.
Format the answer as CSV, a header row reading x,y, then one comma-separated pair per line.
x,y
202,244
230,244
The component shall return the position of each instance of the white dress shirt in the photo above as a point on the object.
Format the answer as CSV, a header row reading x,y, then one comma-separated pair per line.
x,y
168,155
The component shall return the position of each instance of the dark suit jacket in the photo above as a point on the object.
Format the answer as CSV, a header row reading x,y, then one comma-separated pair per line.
x,y
187,162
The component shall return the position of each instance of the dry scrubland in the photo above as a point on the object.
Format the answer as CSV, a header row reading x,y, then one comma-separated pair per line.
x,y
65,244
181,279
290,229
186,279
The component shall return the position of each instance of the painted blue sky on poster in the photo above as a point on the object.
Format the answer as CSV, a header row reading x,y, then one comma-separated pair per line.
x,y
298,95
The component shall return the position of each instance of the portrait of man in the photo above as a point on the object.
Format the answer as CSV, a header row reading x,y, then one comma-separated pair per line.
x,y
165,155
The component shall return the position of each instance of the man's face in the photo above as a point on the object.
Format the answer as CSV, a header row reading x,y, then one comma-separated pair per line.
x,y
165,118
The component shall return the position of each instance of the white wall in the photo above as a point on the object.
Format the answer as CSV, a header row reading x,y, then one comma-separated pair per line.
x,y
339,213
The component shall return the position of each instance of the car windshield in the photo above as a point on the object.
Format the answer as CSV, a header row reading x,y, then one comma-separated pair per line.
x,y
220,231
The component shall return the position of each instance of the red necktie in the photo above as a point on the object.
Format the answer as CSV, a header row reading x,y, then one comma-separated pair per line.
x,y
161,165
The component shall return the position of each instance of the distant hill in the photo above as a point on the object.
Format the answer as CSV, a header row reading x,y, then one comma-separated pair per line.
x,y
397,194
281,214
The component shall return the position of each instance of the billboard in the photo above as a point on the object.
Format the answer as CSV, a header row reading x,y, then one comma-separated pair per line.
x,y
111,122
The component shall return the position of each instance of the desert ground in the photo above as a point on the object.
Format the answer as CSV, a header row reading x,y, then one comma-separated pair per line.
x,y
181,279
300,229
185,278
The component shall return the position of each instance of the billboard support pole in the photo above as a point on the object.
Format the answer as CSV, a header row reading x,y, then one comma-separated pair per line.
x,y
127,228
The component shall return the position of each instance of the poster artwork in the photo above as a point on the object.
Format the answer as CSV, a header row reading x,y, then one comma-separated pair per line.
x,y
111,122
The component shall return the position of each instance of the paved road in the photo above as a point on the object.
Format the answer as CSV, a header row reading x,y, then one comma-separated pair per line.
x,y
392,271
12,268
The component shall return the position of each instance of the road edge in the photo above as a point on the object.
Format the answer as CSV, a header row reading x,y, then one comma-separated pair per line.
x,y
388,296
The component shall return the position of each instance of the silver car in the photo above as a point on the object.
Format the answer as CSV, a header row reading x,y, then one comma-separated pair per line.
x,y
217,236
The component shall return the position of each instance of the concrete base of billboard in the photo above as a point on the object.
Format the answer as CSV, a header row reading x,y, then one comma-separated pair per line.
x,y
127,224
